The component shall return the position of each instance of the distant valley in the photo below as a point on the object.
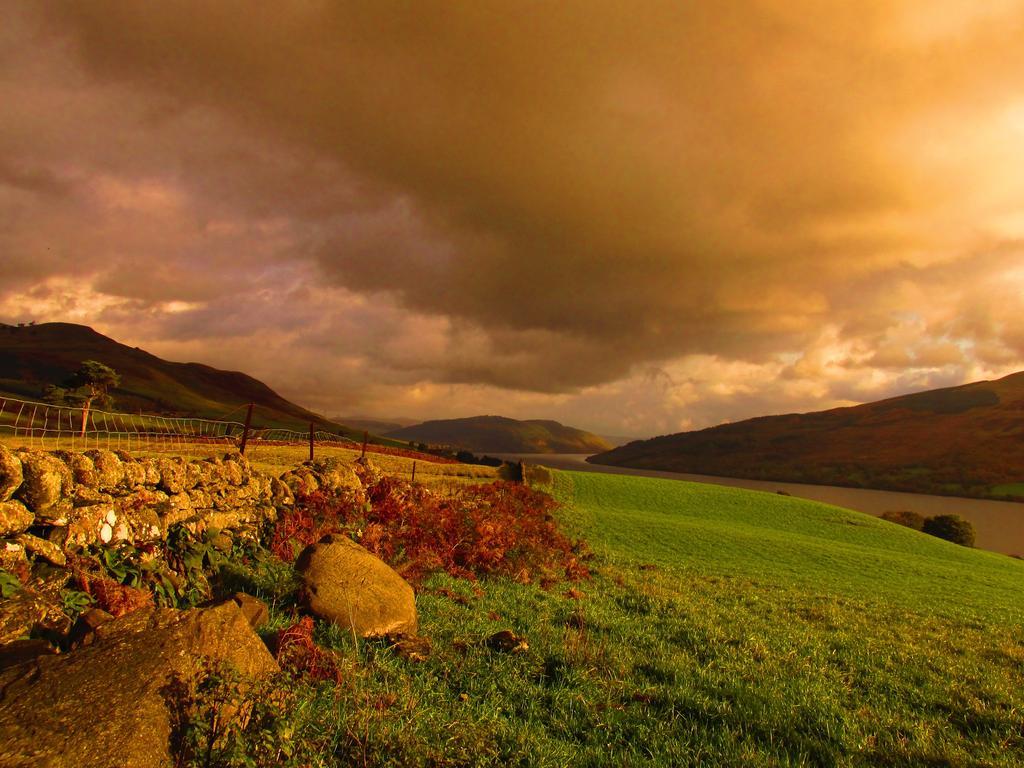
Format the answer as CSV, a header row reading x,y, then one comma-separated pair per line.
x,y
497,434
372,425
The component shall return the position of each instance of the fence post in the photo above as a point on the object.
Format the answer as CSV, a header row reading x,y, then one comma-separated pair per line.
x,y
366,436
311,427
414,471
245,432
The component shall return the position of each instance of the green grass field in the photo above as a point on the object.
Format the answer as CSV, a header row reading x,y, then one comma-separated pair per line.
x,y
721,627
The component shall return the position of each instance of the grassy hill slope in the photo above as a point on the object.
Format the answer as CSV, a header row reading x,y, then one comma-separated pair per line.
x,y
32,357
818,547
966,440
497,434
721,627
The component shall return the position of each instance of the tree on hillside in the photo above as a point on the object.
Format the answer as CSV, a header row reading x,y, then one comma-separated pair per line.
x,y
951,528
89,385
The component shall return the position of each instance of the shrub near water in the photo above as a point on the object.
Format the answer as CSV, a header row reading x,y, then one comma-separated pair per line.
x,y
951,528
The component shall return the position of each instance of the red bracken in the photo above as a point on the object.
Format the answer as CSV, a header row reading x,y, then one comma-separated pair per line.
x,y
500,528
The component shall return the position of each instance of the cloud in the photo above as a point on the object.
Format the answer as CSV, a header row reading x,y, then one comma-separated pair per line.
x,y
775,203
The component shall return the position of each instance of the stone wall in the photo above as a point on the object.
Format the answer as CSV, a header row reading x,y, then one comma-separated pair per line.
x,y
70,500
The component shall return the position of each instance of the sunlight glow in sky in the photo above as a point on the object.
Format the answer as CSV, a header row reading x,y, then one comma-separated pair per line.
x,y
631,218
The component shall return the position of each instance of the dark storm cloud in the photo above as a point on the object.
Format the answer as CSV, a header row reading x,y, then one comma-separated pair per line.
x,y
540,197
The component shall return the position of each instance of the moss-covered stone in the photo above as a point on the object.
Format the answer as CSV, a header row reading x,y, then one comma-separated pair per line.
x,y
46,480
10,473
15,517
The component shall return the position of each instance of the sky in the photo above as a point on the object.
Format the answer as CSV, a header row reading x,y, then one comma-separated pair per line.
x,y
633,217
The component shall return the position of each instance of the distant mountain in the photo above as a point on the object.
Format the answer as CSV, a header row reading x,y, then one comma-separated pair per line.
x,y
374,426
961,441
497,434
33,356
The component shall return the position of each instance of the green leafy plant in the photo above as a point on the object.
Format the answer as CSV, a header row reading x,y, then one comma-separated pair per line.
x,y
195,557
9,584
74,601
221,719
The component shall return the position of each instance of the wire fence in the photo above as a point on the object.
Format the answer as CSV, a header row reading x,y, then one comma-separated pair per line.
x,y
53,427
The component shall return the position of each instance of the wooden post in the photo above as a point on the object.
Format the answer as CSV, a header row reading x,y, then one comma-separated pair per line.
x,y
414,471
312,426
245,432
366,436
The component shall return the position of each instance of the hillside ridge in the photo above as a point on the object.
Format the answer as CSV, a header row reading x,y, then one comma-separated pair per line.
x,y
966,440
34,356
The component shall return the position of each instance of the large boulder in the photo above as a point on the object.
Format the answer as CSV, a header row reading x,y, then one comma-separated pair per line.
x,y
193,475
46,481
356,590
105,705
177,508
10,473
235,472
199,499
136,475
368,472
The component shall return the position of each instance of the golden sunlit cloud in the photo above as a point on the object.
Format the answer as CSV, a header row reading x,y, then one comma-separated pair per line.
x,y
635,218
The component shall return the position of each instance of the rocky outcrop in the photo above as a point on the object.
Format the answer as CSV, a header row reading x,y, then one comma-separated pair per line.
x,y
107,703
345,584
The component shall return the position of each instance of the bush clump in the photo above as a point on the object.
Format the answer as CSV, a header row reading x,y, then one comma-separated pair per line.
x,y
951,528
501,528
